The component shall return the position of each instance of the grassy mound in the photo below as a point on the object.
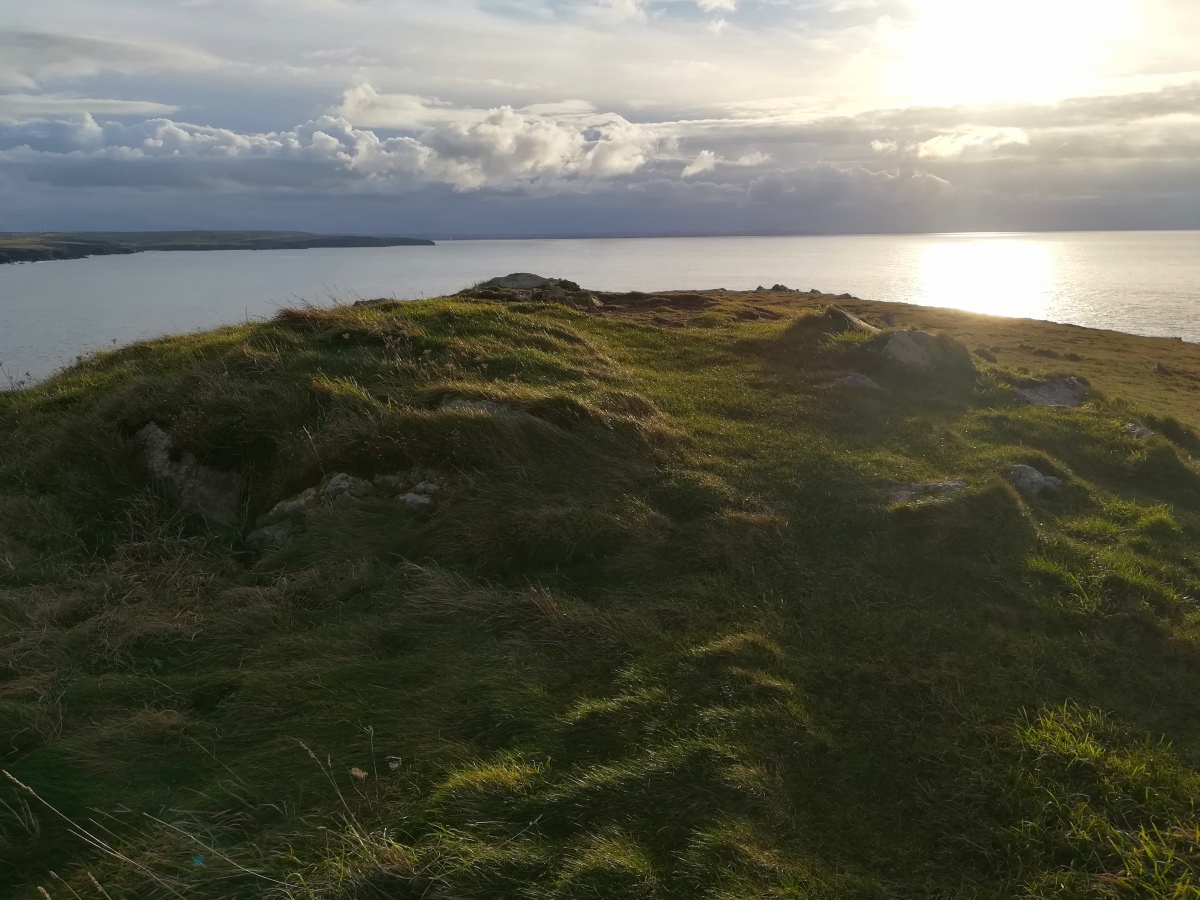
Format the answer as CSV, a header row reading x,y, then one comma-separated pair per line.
x,y
665,635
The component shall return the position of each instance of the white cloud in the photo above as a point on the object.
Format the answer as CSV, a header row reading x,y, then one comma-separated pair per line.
x,y
711,5
706,161
952,146
20,107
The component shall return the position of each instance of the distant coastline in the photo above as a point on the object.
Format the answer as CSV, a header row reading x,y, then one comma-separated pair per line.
x,y
46,246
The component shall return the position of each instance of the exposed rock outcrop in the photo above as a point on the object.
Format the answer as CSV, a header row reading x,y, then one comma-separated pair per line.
x,y
918,351
1030,482
1055,392
416,489
209,493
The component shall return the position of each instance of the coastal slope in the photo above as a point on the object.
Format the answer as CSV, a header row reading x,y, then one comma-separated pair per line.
x,y
545,593
46,246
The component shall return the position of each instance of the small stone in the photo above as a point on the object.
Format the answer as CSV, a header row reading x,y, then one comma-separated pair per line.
x,y
857,380
902,493
426,488
417,502
1141,432
1055,392
1030,482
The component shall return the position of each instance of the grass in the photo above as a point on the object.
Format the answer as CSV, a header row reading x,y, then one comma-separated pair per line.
x,y
664,635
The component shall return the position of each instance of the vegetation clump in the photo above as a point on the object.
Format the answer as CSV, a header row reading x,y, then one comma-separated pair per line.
x,y
678,615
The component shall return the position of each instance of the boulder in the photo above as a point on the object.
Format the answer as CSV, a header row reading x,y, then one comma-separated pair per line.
x,y
517,281
1030,482
782,288
857,380
916,350
209,493
903,493
1055,392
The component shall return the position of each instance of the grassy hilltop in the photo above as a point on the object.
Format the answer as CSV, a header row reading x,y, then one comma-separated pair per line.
x,y
664,635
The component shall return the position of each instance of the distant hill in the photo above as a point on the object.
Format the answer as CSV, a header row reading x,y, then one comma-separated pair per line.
x,y
41,246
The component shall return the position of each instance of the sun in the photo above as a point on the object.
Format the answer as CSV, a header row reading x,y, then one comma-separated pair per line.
x,y
990,51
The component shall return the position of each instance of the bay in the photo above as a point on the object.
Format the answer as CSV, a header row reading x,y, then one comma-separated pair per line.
x,y
1139,282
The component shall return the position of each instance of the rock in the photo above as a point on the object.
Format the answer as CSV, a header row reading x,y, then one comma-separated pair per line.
x,y
1141,432
1056,392
270,536
426,489
1030,482
393,484
857,380
212,494
902,493
417,502
484,406
594,303
288,509
834,320
985,354
916,350
760,290
518,281
782,288
344,490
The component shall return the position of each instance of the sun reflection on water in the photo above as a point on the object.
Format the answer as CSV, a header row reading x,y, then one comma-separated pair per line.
x,y
995,275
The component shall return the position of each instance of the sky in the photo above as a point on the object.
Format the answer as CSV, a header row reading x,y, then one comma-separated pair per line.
x,y
576,117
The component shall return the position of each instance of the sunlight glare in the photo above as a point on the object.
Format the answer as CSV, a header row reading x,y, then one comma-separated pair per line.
x,y
984,51
993,275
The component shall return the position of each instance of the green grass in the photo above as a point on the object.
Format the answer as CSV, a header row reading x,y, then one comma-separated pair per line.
x,y
664,636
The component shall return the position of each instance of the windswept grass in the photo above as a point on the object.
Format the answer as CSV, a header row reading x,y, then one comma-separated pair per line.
x,y
665,635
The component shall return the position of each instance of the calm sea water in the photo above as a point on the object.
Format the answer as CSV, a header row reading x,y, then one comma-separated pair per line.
x,y
1141,282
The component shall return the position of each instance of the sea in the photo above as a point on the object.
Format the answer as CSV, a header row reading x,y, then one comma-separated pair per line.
x,y
1145,282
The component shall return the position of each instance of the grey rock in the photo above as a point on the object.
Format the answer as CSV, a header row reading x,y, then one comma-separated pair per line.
x,y
212,494
1030,482
518,281
346,486
903,493
1055,392
857,380
289,509
427,489
1141,432
917,350
394,484
417,502
782,288
270,536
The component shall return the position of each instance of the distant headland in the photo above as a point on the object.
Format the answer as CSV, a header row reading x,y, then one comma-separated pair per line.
x,y
18,247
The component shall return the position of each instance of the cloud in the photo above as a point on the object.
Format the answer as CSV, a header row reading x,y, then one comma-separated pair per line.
x,y
951,146
500,149
31,57
712,5
706,161
20,107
